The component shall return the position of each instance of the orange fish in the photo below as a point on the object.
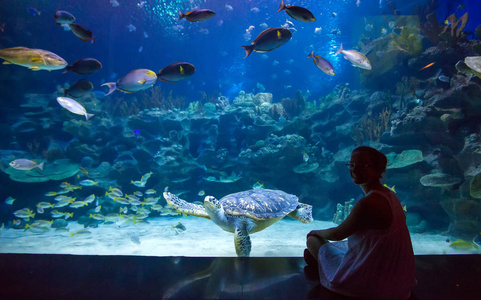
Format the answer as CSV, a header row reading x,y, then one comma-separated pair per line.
x,y
427,66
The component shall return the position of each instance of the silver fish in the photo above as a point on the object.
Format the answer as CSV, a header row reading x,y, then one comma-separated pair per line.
x,y
25,164
73,106
356,58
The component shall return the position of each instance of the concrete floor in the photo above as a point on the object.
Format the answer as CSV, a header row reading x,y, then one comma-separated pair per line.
x,y
33,276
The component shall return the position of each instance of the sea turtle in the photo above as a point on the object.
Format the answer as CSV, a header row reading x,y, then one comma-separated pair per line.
x,y
470,66
245,212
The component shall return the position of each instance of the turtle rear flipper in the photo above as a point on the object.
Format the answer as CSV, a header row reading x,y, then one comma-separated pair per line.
x,y
242,241
303,213
185,207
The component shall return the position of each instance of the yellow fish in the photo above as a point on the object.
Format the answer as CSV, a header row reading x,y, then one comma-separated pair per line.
x,y
34,59
391,188
463,245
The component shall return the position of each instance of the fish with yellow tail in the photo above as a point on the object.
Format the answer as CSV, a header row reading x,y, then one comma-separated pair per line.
x,y
134,81
357,59
268,40
34,59
176,72
393,188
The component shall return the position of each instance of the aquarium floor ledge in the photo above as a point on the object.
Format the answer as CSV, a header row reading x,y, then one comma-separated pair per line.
x,y
34,276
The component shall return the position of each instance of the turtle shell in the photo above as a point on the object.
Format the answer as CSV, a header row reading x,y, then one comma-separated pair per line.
x,y
260,204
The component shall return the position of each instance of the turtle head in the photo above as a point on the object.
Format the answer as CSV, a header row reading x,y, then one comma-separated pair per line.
x,y
211,203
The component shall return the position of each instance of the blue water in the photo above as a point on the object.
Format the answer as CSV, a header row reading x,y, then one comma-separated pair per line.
x,y
214,48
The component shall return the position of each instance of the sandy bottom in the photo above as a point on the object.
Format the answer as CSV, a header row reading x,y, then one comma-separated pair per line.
x,y
202,237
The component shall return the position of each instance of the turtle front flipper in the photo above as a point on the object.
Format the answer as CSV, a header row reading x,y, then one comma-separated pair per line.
x,y
185,207
303,213
242,241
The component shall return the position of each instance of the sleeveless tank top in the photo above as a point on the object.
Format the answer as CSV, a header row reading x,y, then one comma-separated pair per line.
x,y
372,264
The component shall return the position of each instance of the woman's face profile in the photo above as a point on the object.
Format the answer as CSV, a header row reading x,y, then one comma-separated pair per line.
x,y
361,168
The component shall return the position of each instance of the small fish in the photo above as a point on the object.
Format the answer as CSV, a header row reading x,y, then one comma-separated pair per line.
x,y
78,204
427,66
391,188
297,13
115,191
477,239
138,193
356,58
45,205
97,217
134,81
463,245
305,157
24,213
201,193
176,72
179,227
141,48
82,33
33,11
74,107
268,40
383,31
88,182
141,4
134,238
405,208
150,192
137,183
131,27
461,6
317,30
443,78
62,203
63,17
197,15
25,164
114,3
146,35
255,10
9,200
82,232
229,7
368,27
63,197
84,66
322,64
334,14
79,89
257,185
64,184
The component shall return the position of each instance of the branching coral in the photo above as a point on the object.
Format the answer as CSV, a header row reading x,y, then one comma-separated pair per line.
x,y
451,33
407,85
294,107
372,128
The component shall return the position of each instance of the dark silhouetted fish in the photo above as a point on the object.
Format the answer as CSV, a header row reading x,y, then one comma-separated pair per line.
x,y
197,15
176,72
268,40
84,66
297,13
82,33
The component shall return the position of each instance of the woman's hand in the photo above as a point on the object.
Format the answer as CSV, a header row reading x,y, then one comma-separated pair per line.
x,y
315,233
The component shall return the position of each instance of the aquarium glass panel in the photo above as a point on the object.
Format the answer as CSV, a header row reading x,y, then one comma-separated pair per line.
x,y
178,128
